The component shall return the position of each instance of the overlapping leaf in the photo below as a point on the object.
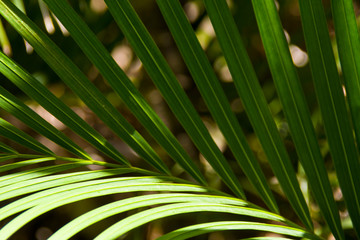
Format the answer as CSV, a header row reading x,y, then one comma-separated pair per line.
x,y
290,92
348,41
42,189
170,88
214,96
78,82
122,85
18,109
45,98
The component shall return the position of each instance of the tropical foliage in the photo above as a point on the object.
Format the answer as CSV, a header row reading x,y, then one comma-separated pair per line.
x,y
174,183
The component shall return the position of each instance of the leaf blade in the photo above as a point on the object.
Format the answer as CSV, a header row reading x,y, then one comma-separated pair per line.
x,y
214,96
49,199
11,104
290,92
138,219
40,183
199,229
11,132
57,108
122,85
117,207
77,81
331,100
251,94
347,37
6,149
170,88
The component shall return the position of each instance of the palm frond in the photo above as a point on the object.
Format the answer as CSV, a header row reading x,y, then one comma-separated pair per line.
x,y
348,40
37,181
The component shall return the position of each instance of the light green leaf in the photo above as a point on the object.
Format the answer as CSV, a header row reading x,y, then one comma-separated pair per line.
x,y
265,238
4,40
199,229
40,183
46,200
38,172
146,216
111,209
20,164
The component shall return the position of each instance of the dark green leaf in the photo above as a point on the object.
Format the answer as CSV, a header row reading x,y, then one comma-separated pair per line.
x,y
292,98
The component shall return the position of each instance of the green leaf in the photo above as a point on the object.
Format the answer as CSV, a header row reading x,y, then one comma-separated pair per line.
x,y
146,216
6,149
29,191
20,164
46,200
57,108
117,207
11,132
38,172
251,94
332,104
266,238
348,44
199,229
347,37
77,81
20,4
40,183
5,157
291,96
170,88
18,109
122,85
215,98
4,40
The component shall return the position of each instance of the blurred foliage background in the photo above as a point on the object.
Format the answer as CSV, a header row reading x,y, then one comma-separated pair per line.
x,y
95,13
